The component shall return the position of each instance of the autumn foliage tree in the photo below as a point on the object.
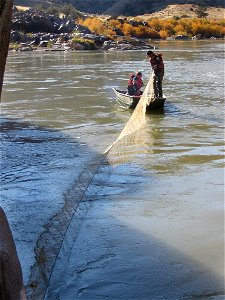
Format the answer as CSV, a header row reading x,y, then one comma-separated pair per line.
x,y
156,28
97,26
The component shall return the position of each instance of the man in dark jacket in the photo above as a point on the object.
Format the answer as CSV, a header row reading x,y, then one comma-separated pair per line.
x,y
157,65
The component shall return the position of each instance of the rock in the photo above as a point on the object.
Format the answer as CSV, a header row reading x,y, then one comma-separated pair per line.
x,y
36,21
15,36
27,48
11,280
109,45
125,45
43,44
197,37
182,37
77,46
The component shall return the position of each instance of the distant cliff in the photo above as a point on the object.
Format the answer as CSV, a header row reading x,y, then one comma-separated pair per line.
x,y
121,7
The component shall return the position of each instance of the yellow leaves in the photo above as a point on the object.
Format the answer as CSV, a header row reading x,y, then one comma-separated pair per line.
x,y
115,24
222,31
179,29
97,26
168,26
164,33
128,29
156,28
94,24
208,29
155,24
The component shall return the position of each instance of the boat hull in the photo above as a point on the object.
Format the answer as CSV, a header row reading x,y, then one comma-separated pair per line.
x,y
132,101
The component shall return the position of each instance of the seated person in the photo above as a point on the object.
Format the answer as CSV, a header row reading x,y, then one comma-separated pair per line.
x,y
130,85
138,83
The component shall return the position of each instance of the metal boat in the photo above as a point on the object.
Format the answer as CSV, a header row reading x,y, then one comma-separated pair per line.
x,y
131,101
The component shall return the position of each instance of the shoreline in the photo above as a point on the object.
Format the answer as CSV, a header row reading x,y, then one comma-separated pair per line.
x,y
22,47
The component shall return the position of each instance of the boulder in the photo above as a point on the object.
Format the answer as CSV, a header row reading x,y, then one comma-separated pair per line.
x,y
11,280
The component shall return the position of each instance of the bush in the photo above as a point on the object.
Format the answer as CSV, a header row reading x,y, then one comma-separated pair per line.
x,y
86,43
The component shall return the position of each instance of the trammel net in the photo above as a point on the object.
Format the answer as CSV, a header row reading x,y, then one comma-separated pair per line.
x,y
62,229
137,118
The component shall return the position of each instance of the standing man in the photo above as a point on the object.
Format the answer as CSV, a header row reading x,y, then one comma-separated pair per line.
x,y
157,64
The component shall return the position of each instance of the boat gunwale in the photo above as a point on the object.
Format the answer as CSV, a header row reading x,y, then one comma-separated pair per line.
x,y
133,100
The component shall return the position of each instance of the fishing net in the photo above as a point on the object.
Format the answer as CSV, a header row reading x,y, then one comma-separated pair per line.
x,y
137,118
62,229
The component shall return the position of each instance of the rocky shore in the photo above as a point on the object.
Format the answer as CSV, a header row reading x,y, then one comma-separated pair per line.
x,y
67,42
34,30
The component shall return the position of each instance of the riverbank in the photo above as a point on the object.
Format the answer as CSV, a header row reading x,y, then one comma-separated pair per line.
x,y
36,30
107,45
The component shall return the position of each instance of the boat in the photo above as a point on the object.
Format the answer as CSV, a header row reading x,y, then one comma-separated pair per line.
x,y
131,101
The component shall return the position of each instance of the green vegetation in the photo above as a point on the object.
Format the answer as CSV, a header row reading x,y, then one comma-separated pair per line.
x,y
86,43
68,10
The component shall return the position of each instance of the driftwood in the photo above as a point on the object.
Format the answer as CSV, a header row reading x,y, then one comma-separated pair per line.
x,y
11,279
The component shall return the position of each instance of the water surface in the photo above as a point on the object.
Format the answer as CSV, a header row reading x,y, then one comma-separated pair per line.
x,y
154,227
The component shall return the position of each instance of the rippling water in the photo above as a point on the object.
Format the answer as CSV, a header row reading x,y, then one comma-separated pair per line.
x,y
58,113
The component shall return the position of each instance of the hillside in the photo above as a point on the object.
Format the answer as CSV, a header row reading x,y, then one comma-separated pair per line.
x,y
123,7
186,10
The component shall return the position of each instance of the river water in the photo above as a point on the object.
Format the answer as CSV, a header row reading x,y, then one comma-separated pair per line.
x,y
150,221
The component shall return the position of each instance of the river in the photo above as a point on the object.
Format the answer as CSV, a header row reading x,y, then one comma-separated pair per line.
x,y
150,224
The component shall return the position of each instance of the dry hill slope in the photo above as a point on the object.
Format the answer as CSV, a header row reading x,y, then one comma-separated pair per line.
x,y
118,8
186,10
122,7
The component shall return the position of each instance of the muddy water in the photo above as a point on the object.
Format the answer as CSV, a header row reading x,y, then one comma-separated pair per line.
x,y
150,225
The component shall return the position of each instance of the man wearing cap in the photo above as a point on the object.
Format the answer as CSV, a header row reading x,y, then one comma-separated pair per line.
x,y
157,65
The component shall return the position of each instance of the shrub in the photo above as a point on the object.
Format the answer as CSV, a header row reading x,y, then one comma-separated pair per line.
x,y
97,26
157,28
86,43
